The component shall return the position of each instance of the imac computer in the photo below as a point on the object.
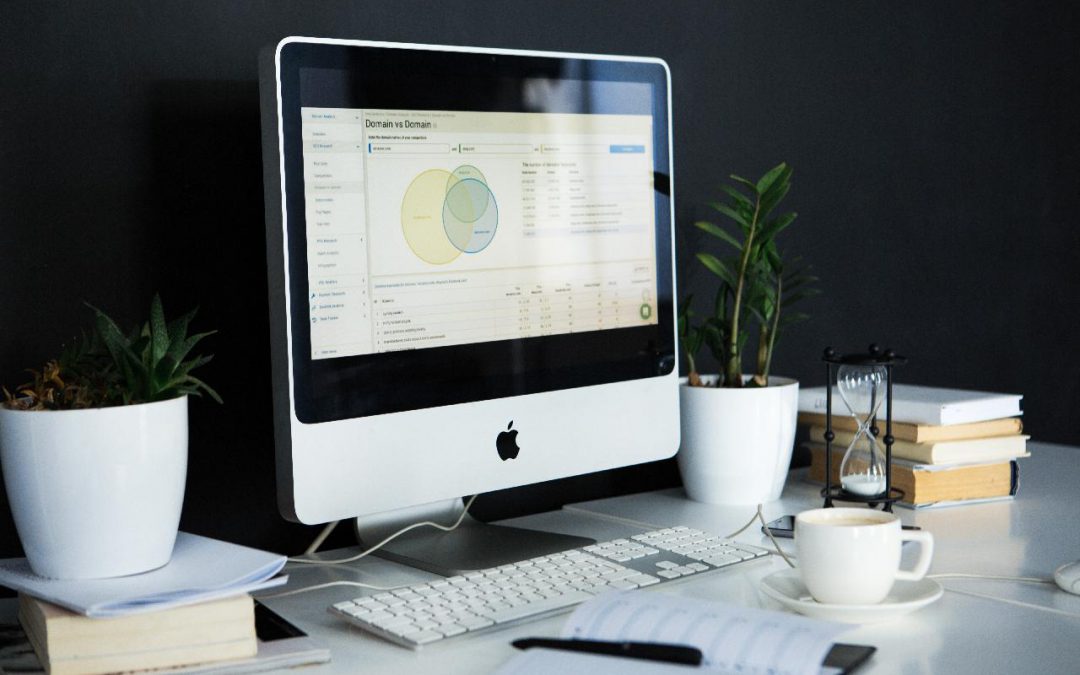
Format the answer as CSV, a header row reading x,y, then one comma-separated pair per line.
x,y
470,260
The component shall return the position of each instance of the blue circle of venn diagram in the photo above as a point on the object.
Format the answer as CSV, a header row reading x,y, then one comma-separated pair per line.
x,y
470,215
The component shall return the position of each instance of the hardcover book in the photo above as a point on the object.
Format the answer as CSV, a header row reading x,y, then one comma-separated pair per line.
x,y
924,484
923,433
71,644
926,405
992,449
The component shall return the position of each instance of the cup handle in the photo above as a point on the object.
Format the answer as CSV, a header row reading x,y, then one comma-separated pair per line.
x,y
926,552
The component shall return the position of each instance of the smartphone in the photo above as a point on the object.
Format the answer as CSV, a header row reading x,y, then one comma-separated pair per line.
x,y
784,527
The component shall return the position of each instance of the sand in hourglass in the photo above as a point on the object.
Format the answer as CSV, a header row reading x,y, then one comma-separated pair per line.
x,y
863,484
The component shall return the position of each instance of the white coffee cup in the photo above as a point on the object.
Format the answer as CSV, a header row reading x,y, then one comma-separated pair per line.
x,y
852,556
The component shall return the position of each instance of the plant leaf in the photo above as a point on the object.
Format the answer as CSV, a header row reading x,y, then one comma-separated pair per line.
x,y
747,183
741,201
774,196
718,232
731,213
159,330
714,265
770,177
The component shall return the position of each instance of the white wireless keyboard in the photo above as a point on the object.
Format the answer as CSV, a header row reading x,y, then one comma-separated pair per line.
x,y
416,615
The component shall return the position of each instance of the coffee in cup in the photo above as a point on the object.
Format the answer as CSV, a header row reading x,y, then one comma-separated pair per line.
x,y
852,556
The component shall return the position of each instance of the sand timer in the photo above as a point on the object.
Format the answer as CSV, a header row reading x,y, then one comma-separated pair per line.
x,y
864,382
862,472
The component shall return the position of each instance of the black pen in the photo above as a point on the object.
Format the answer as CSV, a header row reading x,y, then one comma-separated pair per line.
x,y
650,651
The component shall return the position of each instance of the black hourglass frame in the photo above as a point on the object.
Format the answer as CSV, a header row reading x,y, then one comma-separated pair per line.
x,y
874,357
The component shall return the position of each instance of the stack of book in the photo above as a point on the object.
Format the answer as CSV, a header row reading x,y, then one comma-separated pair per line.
x,y
951,446
196,612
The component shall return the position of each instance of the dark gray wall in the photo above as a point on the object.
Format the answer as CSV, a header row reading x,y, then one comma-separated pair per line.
x,y
936,176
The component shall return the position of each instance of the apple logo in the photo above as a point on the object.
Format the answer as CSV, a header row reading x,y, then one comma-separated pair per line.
x,y
506,443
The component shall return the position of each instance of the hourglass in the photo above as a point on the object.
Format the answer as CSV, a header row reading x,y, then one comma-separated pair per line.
x,y
865,384
863,470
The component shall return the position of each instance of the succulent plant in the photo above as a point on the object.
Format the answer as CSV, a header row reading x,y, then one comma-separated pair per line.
x,y
107,368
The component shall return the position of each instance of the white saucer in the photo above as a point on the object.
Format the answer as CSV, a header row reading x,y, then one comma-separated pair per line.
x,y
787,588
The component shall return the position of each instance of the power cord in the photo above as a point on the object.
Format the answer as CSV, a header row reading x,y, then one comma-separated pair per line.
x,y
759,516
328,584
768,532
356,584
991,577
384,542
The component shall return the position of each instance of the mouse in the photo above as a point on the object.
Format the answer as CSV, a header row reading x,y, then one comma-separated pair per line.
x,y
1068,577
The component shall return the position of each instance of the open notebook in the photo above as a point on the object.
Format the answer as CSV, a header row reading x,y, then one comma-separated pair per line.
x,y
732,639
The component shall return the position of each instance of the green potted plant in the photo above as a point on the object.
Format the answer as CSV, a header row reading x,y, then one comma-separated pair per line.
x,y
738,429
94,449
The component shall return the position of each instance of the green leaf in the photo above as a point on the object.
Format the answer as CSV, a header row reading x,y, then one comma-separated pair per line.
x,y
718,232
770,177
747,183
732,213
741,200
774,260
775,227
205,387
178,329
159,331
714,265
180,351
770,200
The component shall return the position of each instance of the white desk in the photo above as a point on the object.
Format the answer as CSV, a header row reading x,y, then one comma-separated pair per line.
x,y
960,633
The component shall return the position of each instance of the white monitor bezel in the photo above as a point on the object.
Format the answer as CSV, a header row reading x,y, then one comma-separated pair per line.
x,y
334,470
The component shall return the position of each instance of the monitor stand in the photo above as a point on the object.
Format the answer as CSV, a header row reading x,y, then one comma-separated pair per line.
x,y
474,545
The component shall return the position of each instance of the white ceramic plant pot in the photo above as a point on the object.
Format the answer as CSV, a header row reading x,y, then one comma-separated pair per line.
x,y
96,493
736,443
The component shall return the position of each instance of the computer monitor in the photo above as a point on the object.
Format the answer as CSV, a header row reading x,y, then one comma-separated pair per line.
x,y
470,268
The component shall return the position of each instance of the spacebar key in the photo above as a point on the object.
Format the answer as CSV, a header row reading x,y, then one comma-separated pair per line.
x,y
534,608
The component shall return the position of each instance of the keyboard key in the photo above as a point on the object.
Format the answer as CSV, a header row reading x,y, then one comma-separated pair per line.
x,y
423,637
553,603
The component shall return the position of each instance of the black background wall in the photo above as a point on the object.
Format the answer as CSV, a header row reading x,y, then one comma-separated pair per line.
x,y
935,148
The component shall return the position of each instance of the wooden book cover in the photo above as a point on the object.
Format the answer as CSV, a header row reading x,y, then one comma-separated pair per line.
x,y
924,433
71,644
929,485
998,448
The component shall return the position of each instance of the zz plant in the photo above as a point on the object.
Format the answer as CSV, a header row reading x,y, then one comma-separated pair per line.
x,y
108,367
755,288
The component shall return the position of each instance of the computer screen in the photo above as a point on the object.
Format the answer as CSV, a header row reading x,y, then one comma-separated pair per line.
x,y
470,266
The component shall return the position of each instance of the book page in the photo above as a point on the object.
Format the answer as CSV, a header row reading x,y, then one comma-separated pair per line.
x,y
732,639
201,569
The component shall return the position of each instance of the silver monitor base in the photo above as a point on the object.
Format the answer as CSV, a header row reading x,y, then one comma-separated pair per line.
x,y
472,546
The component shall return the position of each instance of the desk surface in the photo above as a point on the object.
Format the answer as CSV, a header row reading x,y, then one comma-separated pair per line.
x,y
978,626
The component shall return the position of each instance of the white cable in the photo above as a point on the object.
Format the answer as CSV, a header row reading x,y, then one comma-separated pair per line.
x,y
759,516
991,577
376,547
1018,603
328,584
775,543
323,534
743,528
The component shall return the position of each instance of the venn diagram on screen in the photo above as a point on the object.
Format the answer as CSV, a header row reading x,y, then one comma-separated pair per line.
x,y
447,213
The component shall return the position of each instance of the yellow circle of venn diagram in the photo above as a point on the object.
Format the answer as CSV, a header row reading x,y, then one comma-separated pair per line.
x,y
445,214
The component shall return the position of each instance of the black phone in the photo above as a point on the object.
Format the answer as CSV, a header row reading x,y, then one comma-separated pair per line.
x,y
783,527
